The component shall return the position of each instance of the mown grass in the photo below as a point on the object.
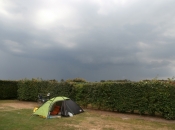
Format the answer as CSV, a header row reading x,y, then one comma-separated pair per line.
x,y
22,119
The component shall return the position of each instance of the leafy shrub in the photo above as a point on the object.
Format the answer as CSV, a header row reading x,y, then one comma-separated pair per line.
x,y
144,97
8,89
29,89
149,96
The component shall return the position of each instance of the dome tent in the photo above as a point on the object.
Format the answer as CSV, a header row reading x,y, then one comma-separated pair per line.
x,y
66,105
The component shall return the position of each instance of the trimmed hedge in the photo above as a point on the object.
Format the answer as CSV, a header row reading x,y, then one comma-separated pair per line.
x,y
144,97
8,89
148,97
28,90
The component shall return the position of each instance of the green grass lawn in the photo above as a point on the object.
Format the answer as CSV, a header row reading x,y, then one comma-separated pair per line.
x,y
21,119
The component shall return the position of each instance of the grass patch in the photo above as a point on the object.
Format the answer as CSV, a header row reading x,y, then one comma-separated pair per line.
x,y
21,119
146,124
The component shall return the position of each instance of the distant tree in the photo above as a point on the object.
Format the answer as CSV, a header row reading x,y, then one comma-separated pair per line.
x,y
102,80
110,81
62,80
53,80
79,80
69,80
76,80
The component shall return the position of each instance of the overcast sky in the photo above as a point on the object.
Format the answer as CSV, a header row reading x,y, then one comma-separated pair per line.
x,y
91,39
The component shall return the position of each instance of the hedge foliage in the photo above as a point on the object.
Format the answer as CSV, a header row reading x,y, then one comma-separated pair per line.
x,y
28,90
144,97
8,89
148,97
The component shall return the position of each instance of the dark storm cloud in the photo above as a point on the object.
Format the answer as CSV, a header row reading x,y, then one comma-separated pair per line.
x,y
95,40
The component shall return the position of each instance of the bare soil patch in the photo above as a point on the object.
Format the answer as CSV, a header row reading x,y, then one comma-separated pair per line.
x,y
19,105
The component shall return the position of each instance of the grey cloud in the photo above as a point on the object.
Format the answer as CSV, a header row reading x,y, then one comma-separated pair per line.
x,y
125,42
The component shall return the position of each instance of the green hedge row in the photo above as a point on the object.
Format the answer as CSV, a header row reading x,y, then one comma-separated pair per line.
x,y
28,90
150,97
8,89
146,97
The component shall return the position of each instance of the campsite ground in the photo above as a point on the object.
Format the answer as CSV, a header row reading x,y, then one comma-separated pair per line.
x,y
91,119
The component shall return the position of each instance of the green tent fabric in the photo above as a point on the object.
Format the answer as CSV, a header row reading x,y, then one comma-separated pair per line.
x,y
46,107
